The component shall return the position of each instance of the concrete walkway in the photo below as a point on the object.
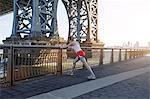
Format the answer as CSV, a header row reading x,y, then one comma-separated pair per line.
x,y
134,88
83,88
111,73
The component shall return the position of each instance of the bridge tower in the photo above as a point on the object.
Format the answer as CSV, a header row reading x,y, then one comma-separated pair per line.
x,y
83,21
37,19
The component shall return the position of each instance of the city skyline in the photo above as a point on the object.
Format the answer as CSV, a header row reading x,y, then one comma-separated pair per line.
x,y
119,22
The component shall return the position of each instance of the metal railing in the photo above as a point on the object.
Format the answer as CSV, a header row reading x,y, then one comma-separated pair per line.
x,y
20,62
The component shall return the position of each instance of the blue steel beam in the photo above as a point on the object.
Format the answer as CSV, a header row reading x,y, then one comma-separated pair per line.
x,y
83,19
35,18
38,17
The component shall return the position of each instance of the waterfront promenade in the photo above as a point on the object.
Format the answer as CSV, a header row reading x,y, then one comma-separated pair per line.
x,y
122,80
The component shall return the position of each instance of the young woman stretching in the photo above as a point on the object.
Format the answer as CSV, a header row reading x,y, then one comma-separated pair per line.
x,y
80,55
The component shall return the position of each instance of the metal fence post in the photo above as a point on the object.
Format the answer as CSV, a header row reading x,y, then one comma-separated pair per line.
x,y
112,56
134,53
101,57
130,53
137,53
141,52
10,70
59,65
119,55
125,54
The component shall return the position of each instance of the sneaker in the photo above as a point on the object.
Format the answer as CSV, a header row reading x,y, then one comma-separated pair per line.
x,y
91,77
70,73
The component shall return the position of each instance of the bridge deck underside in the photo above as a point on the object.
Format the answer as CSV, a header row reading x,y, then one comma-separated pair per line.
x,y
6,6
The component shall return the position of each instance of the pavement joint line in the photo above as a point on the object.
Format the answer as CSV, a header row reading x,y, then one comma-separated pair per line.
x,y
85,87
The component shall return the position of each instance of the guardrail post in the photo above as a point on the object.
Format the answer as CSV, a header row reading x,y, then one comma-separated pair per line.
x,y
140,52
10,70
137,54
143,53
101,57
125,54
130,53
119,55
134,53
112,56
59,64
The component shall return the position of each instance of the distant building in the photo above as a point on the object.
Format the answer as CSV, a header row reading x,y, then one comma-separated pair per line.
x,y
136,45
127,44
124,45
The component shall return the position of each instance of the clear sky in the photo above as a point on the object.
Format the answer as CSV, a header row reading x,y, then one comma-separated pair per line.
x,y
119,21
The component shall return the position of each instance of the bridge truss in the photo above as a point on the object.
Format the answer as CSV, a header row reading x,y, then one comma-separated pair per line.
x,y
37,18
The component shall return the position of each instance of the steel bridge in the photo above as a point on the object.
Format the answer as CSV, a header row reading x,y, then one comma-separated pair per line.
x,y
37,18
